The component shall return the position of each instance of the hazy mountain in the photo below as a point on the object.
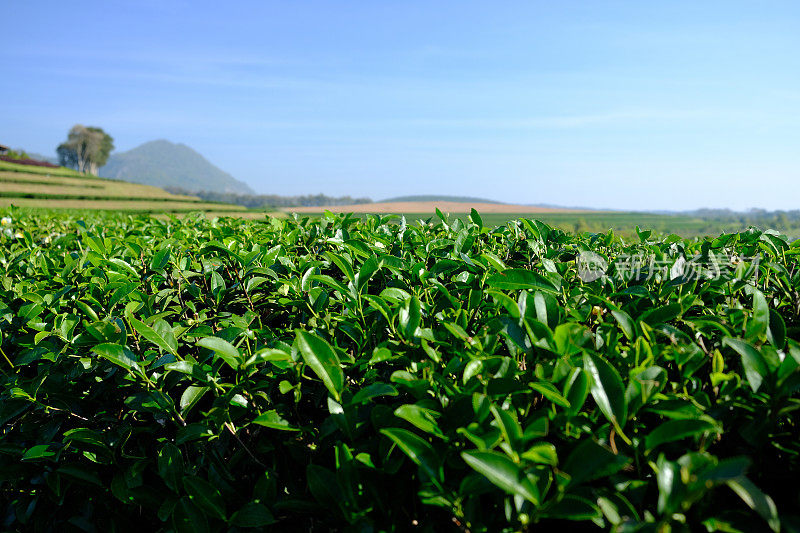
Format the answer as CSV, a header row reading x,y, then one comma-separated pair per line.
x,y
165,164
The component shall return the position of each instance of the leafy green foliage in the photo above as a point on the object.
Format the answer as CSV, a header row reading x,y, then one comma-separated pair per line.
x,y
357,374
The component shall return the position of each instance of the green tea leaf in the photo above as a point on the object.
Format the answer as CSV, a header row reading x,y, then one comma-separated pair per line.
x,y
776,333
755,367
577,389
517,278
422,418
476,218
661,315
418,450
324,486
253,515
167,344
625,322
542,452
367,270
673,430
504,473
607,389
321,358
410,317
170,466
273,420
38,452
757,501
550,392
205,496
188,518
225,350
509,427
759,323
375,390
590,460
117,354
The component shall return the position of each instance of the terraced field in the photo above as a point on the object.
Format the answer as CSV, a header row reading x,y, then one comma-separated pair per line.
x,y
28,186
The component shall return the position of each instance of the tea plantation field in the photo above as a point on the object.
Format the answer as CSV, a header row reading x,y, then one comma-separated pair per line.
x,y
65,189
357,374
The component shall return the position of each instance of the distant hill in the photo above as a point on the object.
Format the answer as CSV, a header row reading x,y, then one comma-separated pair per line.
x,y
166,164
439,198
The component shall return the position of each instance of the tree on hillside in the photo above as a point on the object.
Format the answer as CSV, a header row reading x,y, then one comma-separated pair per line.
x,y
86,149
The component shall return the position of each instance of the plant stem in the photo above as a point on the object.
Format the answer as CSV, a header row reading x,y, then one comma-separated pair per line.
x,y
7,359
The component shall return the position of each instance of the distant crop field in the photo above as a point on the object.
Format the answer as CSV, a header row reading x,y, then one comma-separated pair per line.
x,y
429,206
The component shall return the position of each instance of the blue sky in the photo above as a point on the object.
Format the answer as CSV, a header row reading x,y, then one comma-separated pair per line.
x,y
627,105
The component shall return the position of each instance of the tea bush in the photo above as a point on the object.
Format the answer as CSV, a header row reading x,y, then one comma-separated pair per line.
x,y
365,375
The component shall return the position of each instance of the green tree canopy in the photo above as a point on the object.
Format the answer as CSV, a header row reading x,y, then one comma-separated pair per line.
x,y
86,149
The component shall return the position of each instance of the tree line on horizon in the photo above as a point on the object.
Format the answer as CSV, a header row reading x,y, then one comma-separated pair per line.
x,y
258,201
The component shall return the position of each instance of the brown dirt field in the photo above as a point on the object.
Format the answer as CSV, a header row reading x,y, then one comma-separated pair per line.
x,y
430,207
